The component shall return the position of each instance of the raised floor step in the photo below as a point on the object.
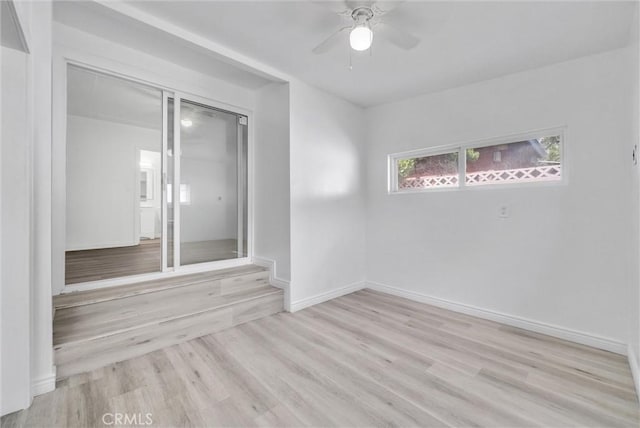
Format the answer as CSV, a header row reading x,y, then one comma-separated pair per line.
x,y
103,328
78,298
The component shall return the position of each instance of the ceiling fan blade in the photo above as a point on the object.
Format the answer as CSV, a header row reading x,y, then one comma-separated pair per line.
x,y
397,36
354,4
329,42
382,7
336,6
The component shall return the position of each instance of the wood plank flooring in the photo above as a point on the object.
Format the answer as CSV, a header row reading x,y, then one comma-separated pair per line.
x,y
105,263
208,251
95,328
366,359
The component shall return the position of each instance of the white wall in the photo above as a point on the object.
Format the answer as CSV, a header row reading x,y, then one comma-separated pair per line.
x,y
103,202
327,195
272,221
27,354
212,213
15,234
562,257
42,369
634,118
209,168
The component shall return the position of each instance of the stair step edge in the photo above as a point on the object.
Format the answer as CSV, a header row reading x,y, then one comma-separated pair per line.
x,y
75,342
141,291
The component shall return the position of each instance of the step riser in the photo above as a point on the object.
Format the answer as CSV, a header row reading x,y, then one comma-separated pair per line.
x,y
88,355
103,315
244,282
96,328
75,299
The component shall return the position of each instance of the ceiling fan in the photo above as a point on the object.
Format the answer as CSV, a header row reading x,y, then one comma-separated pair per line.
x,y
364,19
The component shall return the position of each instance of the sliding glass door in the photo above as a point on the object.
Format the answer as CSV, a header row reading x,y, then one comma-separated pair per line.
x,y
212,159
158,181
114,134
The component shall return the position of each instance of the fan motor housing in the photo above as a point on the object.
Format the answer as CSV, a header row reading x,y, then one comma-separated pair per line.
x,y
362,14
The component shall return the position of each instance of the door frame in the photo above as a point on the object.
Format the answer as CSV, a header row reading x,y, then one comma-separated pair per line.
x,y
59,173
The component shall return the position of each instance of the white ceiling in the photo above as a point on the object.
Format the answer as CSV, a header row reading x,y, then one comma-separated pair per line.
x,y
94,18
462,42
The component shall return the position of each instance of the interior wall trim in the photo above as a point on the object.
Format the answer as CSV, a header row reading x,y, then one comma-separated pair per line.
x,y
44,384
274,280
635,370
580,337
326,296
11,18
101,245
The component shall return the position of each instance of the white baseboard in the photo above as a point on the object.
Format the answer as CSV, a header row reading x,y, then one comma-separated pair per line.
x,y
514,321
274,280
635,370
101,245
44,384
323,297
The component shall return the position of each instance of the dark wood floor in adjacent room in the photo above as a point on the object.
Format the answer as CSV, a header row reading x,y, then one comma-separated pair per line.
x,y
106,263
366,359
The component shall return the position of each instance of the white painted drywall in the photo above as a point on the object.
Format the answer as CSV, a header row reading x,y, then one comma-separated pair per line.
x,y
272,210
327,193
212,213
42,368
15,232
563,255
634,118
209,168
102,179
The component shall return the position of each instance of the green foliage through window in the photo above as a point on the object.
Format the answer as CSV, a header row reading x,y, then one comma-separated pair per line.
x,y
552,146
406,167
472,155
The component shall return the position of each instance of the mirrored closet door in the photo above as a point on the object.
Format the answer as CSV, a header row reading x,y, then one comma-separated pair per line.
x,y
155,182
113,177
212,194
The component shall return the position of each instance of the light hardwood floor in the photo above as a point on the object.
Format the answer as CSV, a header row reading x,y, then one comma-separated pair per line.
x,y
366,359
95,328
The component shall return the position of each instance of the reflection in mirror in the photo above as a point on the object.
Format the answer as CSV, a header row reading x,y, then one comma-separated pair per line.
x,y
146,185
169,168
213,191
113,167
150,206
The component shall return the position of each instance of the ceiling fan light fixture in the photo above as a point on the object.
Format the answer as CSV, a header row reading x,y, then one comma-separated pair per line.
x,y
361,38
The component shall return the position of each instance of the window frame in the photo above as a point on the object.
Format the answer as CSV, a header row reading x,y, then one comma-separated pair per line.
x,y
461,148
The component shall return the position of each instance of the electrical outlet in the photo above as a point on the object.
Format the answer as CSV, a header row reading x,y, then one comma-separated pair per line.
x,y
503,211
